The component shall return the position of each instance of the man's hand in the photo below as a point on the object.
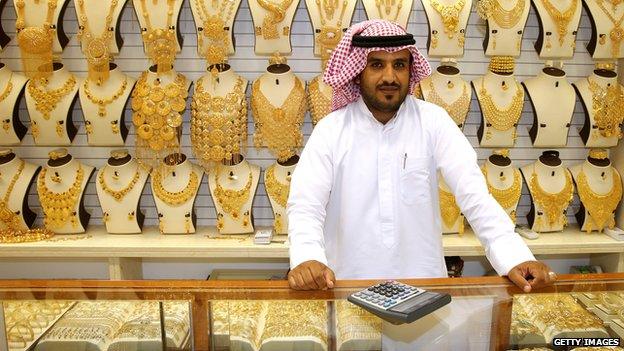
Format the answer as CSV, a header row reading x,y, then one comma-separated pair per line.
x,y
311,275
531,275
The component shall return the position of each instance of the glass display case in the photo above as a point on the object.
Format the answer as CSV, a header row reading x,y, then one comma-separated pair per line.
x,y
486,313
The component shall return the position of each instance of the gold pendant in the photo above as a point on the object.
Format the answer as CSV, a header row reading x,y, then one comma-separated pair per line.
x,y
6,125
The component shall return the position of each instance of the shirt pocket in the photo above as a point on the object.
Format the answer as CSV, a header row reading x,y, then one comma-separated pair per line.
x,y
415,180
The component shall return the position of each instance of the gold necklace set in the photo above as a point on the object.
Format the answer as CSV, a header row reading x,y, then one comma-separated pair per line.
x,y
329,35
97,47
277,191
561,18
59,207
616,34
118,195
387,9
492,9
279,128
160,43
174,198
36,42
458,109
275,13
505,118
214,30
157,116
231,201
218,123
600,207
46,99
320,105
8,217
607,105
507,198
450,19
449,210
553,204
103,102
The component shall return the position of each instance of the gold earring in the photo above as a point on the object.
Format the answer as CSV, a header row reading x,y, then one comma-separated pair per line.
x,y
220,223
105,217
461,38
161,223
89,127
277,223
6,124
548,43
450,84
59,128
603,39
187,223
246,219
131,216
35,130
115,127
434,39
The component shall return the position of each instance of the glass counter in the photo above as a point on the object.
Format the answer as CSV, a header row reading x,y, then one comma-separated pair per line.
x,y
485,314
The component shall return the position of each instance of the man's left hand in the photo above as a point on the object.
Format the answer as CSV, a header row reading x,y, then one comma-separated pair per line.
x,y
531,275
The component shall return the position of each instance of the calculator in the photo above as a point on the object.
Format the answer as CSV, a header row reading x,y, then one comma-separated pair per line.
x,y
398,303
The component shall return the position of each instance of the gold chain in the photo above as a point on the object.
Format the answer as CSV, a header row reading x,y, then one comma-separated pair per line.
x,y
218,123
553,205
8,217
492,9
97,48
47,100
505,118
607,104
7,88
509,197
616,34
458,109
279,128
450,15
448,207
59,207
275,14
118,195
320,105
160,43
561,19
231,201
103,102
275,189
176,198
214,30
600,207
23,236
36,43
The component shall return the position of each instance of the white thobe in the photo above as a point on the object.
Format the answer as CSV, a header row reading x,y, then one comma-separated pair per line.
x,y
364,196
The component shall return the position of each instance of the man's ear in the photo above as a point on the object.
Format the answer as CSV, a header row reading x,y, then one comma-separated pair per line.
x,y
356,80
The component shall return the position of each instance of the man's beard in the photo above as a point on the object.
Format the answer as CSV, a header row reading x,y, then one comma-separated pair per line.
x,y
383,104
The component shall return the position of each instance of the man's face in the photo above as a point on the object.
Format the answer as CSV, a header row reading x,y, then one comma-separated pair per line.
x,y
384,82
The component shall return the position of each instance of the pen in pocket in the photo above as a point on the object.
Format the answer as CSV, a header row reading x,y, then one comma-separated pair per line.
x,y
404,160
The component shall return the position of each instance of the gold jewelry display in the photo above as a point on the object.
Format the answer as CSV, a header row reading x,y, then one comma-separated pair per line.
x,y
47,100
275,13
218,123
553,204
329,35
600,207
214,31
387,9
160,43
59,207
598,154
36,42
96,48
118,195
157,117
320,105
279,128
501,119
103,102
7,88
561,18
449,210
616,34
509,197
502,64
8,217
458,109
450,16
296,319
607,105
176,198
492,10
231,201
24,236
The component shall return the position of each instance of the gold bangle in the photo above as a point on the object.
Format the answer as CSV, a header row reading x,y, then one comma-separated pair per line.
x,y
501,152
599,154
608,65
57,153
119,153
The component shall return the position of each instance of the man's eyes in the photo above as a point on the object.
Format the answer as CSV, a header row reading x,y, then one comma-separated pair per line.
x,y
397,65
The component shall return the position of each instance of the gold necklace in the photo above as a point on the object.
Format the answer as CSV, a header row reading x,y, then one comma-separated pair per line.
x,y
9,218
492,9
555,204
275,14
218,123
450,15
118,195
561,19
329,35
275,189
320,105
7,88
279,128
59,207
509,197
505,118
47,100
448,208
174,198
103,102
214,30
160,44
36,43
617,33
23,236
600,207
607,105
458,109
96,48
231,201
387,6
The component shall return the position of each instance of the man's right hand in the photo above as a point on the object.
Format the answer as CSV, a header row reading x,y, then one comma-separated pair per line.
x,y
311,275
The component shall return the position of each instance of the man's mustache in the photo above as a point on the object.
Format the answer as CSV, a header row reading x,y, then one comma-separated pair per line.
x,y
389,85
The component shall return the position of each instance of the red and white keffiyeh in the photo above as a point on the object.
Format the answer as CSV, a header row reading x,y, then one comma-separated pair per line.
x,y
348,61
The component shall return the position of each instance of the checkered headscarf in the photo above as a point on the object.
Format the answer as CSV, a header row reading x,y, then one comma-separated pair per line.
x,y
348,61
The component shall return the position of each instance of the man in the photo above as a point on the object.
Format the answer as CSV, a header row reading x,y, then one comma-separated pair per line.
x,y
363,199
